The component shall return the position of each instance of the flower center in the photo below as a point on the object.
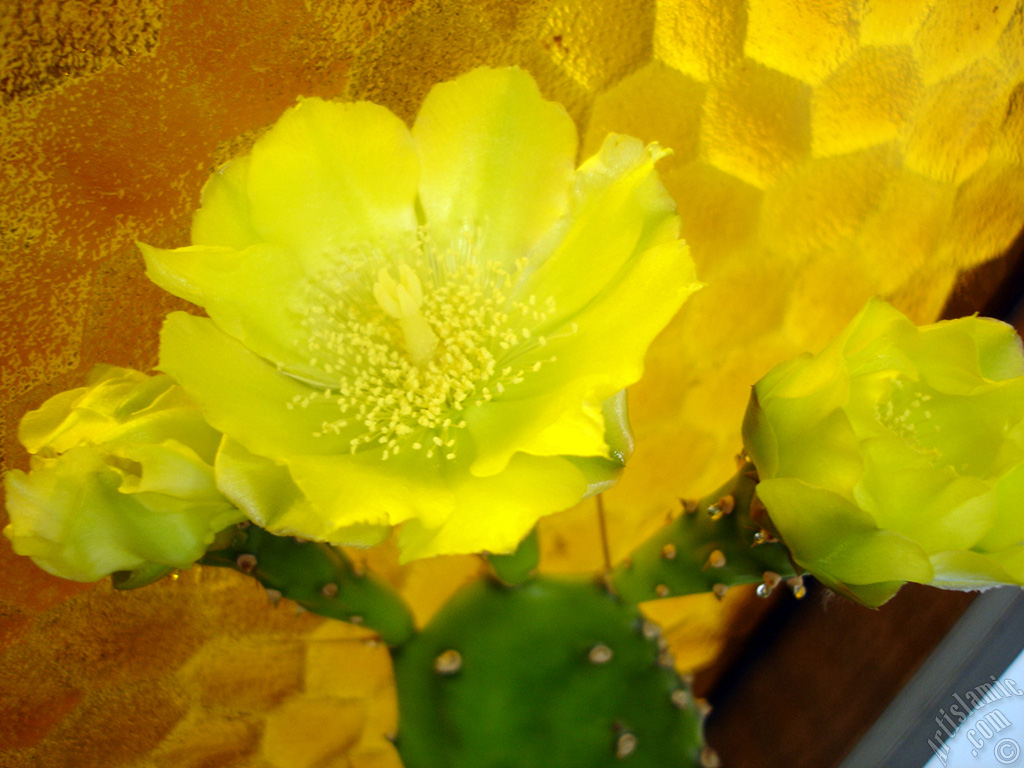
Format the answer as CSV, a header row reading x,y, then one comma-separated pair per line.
x,y
406,357
906,412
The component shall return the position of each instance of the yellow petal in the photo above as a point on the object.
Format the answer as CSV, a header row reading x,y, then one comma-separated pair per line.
x,y
607,341
349,499
1000,349
268,494
72,518
559,423
493,514
577,432
255,295
963,569
603,352
244,396
1007,529
553,411
619,209
71,417
907,493
833,538
224,216
362,488
823,452
170,468
495,156
330,174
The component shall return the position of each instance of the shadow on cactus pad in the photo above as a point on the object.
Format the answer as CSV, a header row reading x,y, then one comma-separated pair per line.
x,y
549,674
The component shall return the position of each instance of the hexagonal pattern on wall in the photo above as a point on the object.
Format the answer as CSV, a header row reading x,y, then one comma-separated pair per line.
x,y
823,152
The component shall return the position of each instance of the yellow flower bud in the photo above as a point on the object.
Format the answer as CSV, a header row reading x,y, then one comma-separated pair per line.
x,y
897,454
121,479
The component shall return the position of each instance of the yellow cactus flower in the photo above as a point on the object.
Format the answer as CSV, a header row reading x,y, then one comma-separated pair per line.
x,y
122,479
426,327
897,454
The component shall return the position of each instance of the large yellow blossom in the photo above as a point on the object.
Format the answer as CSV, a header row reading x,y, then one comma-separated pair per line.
x,y
428,327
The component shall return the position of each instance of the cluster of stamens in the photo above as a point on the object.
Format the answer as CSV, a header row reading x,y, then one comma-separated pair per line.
x,y
905,412
409,342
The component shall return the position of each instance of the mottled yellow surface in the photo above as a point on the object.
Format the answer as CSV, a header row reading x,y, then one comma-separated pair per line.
x,y
824,151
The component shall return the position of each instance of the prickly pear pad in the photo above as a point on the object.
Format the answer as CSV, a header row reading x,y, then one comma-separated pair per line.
x,y
549,674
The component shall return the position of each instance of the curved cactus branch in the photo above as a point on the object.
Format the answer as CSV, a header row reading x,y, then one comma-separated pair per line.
x,y
318,577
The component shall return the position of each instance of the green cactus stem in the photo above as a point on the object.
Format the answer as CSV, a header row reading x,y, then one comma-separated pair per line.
x,y
546,673
518,566
723,540
318,577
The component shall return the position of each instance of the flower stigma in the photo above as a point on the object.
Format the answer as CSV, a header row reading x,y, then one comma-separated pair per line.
x,y
403,359
403,301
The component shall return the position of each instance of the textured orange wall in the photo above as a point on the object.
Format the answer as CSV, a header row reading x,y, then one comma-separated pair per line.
x,y
825,151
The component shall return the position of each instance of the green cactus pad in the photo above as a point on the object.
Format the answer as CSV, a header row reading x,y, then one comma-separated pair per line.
x,y
709,548
547,674
317,576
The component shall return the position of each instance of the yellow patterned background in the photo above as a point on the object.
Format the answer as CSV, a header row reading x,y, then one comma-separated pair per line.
x,y
824,151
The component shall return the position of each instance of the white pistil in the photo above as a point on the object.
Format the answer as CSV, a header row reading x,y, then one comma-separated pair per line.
x,y
402,300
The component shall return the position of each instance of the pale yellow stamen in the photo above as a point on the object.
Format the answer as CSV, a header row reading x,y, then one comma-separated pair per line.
x,y
459,341
402,300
